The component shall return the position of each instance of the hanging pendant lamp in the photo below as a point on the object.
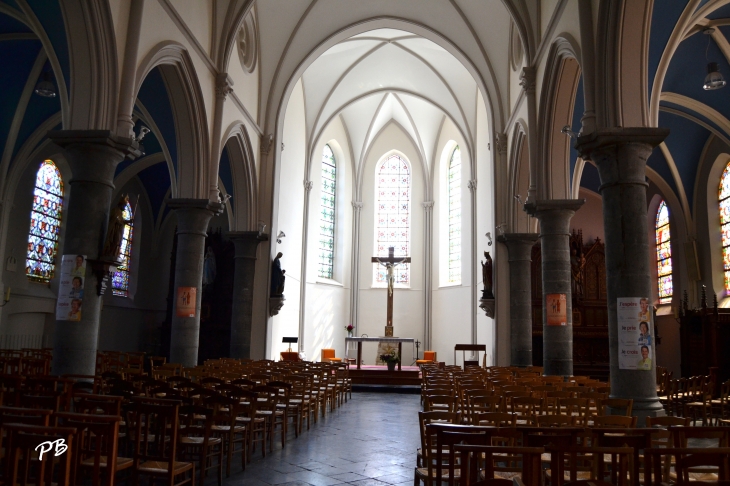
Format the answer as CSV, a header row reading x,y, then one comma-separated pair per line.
x,y
714,79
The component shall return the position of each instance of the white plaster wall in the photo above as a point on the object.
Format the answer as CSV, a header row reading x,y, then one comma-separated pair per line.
x,y
408,304
290,221
328,300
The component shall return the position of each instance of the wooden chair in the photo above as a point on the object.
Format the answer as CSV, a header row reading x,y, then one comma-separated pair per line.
x,y
328,355
197,443
686,460
155,434
617,406
425,418
98,404
527,408
446,403
16,415
439,461
234,424
51,467
556,420
637,439
486,461
96,446
428,357
567,462
618,421
494,419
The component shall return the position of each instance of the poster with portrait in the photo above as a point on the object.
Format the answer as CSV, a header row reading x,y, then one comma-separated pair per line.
x,y
557,309
635,330
69,304
186,301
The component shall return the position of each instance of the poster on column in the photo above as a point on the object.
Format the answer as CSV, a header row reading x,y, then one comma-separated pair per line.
x,y
186,300
71,288
635,324
557,309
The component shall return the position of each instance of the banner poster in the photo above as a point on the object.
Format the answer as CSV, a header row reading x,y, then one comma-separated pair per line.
x,y
185,302
71,288
635,330
557,309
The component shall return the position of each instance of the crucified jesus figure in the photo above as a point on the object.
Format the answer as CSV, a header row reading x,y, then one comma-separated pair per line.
x,y
389,274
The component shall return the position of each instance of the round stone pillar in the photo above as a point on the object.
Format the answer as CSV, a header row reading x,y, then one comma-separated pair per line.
x,y
519,247
93,156
193,216
621,154
554,216
246,243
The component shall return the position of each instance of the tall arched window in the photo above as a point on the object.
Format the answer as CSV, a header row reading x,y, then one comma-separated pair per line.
x,y
120,280
45,223
393,216
724,196
454,184
327,214
664,254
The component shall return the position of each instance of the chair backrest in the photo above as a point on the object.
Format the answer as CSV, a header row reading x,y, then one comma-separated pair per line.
x,y
154,429
619,421
97,437
98,404
327,353
53,464
682,435
685,458
526,460
637,439
443,438
557,420
616,406
494,419
429,355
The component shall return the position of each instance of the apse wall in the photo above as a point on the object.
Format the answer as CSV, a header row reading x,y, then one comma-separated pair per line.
x,y
290,221
408,306
327,308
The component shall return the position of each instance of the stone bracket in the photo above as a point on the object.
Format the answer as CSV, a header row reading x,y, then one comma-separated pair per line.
x,y
488,306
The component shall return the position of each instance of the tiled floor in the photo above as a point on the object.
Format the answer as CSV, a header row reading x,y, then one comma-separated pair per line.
x,y
369,441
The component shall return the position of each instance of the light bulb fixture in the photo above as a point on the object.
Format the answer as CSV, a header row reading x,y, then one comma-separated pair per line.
x,y
280,236
714,79
567,131
45,86
489,238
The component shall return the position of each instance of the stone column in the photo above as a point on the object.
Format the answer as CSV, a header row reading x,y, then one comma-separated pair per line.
x,y
428,272
93,156
621,154
519,246
193,216
554,216
246,243
527,81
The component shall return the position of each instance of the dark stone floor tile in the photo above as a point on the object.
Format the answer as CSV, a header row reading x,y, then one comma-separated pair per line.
x,y
395,479
349,477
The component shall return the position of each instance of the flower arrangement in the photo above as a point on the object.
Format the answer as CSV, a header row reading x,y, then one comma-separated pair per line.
x,y
349,328
391,357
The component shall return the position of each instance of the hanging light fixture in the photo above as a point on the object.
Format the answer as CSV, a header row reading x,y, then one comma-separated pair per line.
x,y
714,79
45,86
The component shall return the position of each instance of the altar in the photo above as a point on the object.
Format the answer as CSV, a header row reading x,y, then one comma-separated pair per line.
x,y
360,340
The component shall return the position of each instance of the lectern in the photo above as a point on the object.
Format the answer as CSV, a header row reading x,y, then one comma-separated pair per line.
x,y
469,347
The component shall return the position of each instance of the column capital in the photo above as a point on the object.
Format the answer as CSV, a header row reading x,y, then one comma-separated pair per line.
x,y
472,185
70,139
357,205
246,242
427,205
606,138
193,215
500,143
541,206
223,85
527,79
308,185
519,245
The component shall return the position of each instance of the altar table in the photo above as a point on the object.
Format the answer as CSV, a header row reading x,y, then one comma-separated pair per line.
x,y
360,340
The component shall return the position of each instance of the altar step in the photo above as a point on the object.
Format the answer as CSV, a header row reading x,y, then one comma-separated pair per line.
x,y
381,376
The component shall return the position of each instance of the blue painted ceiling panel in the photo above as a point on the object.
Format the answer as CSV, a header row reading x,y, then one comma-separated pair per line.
x,y
688,69
721,13
16,58
662,23
590,179
9,25
156,180
50,16
153,94
224,172
578,109
659,164
39,110
692,114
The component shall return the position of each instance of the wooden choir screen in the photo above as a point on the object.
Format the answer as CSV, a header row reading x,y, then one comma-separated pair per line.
x,y
590,312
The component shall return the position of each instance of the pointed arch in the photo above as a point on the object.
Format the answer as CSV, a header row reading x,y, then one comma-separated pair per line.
x,y
243,170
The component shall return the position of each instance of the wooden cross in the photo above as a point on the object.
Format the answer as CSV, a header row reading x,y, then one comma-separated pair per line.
x,y
390,262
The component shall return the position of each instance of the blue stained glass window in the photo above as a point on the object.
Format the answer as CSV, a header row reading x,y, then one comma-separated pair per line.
x,y
664,254
327,214
45,223
120,279
393,216
724,197
454,185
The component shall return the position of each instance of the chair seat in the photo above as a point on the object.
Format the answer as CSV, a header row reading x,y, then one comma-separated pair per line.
x,y
226,428
423,472
122,462
193,441
161,467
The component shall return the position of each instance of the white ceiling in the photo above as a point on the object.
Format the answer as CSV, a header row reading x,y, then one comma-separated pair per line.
x,y
383,75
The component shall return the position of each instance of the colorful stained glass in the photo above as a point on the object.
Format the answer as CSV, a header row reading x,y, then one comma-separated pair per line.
x,y
120,279
454,185
664,254
45,223
393,216
724,197
327,214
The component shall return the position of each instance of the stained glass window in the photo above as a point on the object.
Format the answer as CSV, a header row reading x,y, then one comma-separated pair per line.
x,y
45,223
664,254
724,196
120,279
455,217
327,214
393,216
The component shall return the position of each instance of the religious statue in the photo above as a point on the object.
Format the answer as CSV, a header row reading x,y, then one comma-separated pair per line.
x,y
577,262
487,276
209,268
115,230
389,275
277,277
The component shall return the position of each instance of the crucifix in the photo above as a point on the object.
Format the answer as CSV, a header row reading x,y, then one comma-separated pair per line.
x,y
390,263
